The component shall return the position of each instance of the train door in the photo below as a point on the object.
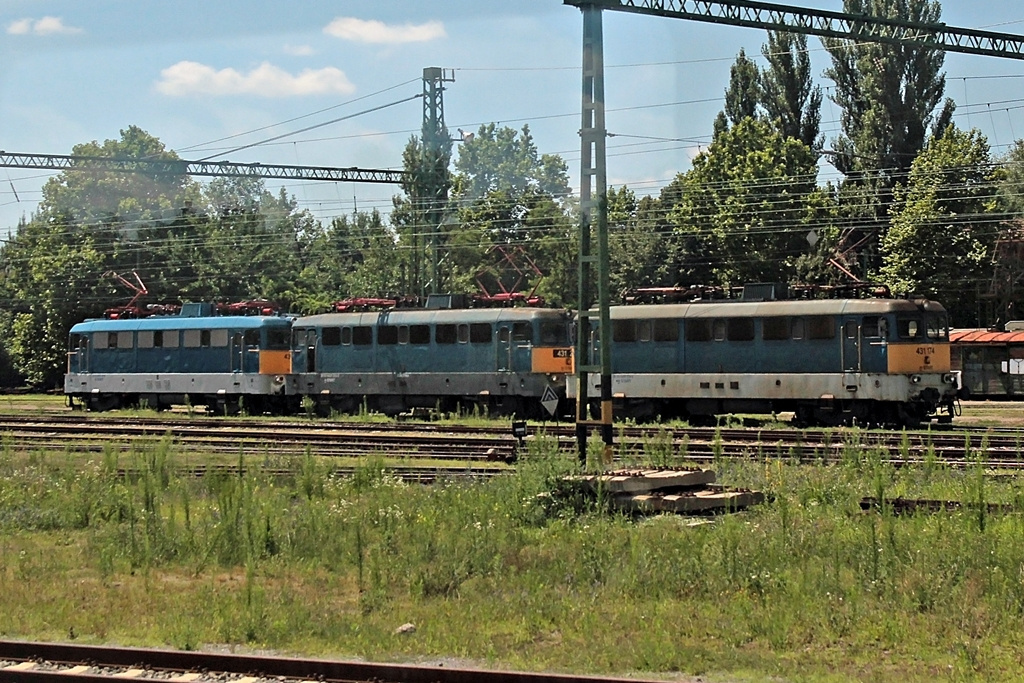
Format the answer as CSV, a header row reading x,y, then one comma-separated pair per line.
x,y
251,351
78,354
236,347
504,347
852,358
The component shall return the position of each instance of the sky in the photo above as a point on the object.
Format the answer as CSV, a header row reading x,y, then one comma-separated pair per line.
x,y
207,78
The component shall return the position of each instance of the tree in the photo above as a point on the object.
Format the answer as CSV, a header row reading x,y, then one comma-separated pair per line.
x,y
512,198
939,244
788,94
888,94
639,249
746,207
743,95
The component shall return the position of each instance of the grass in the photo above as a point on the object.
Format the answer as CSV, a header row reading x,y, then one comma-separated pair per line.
x,y
804,588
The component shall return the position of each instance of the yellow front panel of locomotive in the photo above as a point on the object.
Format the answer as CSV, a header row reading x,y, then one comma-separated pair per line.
x,y
552,361
912,358
275,362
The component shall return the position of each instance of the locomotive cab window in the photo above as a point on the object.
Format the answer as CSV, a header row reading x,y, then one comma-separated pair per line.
x,y
250,338
870,326
936,328
850,329
522,332
907,328
277,339
552,333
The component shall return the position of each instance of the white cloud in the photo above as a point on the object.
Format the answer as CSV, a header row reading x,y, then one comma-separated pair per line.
x,y
362,31
298,50
41,27
266,80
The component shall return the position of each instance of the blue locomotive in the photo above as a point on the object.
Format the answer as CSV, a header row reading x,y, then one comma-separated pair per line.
x,y
497,360
829,361
196,357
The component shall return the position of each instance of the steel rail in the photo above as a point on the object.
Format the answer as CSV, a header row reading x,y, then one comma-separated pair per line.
x,y
34,662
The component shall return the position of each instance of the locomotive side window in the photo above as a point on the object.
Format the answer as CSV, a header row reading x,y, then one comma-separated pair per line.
x,y
698,330
775,329
346,336
798,328
666,330
362,335
251,338
821,327
869,327
146,339
463,333
192,338
387,335
218,338
644,330
331,336
718,329
403,334
480,333
445,334
552,333
204,338
624,330
740,329
419,334
522,332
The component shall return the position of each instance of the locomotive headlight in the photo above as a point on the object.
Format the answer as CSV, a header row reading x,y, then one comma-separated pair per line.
x,y
278,379
949,378
915,379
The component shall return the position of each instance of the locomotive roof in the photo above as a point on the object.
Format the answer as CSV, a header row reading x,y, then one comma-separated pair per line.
x,y
413,316
763,309
172,322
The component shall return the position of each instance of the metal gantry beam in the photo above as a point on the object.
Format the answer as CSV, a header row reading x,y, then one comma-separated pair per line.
x,y
71,162
865,28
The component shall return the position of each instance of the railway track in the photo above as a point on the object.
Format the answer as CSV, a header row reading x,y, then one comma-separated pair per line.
x,y
28,662
420,441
